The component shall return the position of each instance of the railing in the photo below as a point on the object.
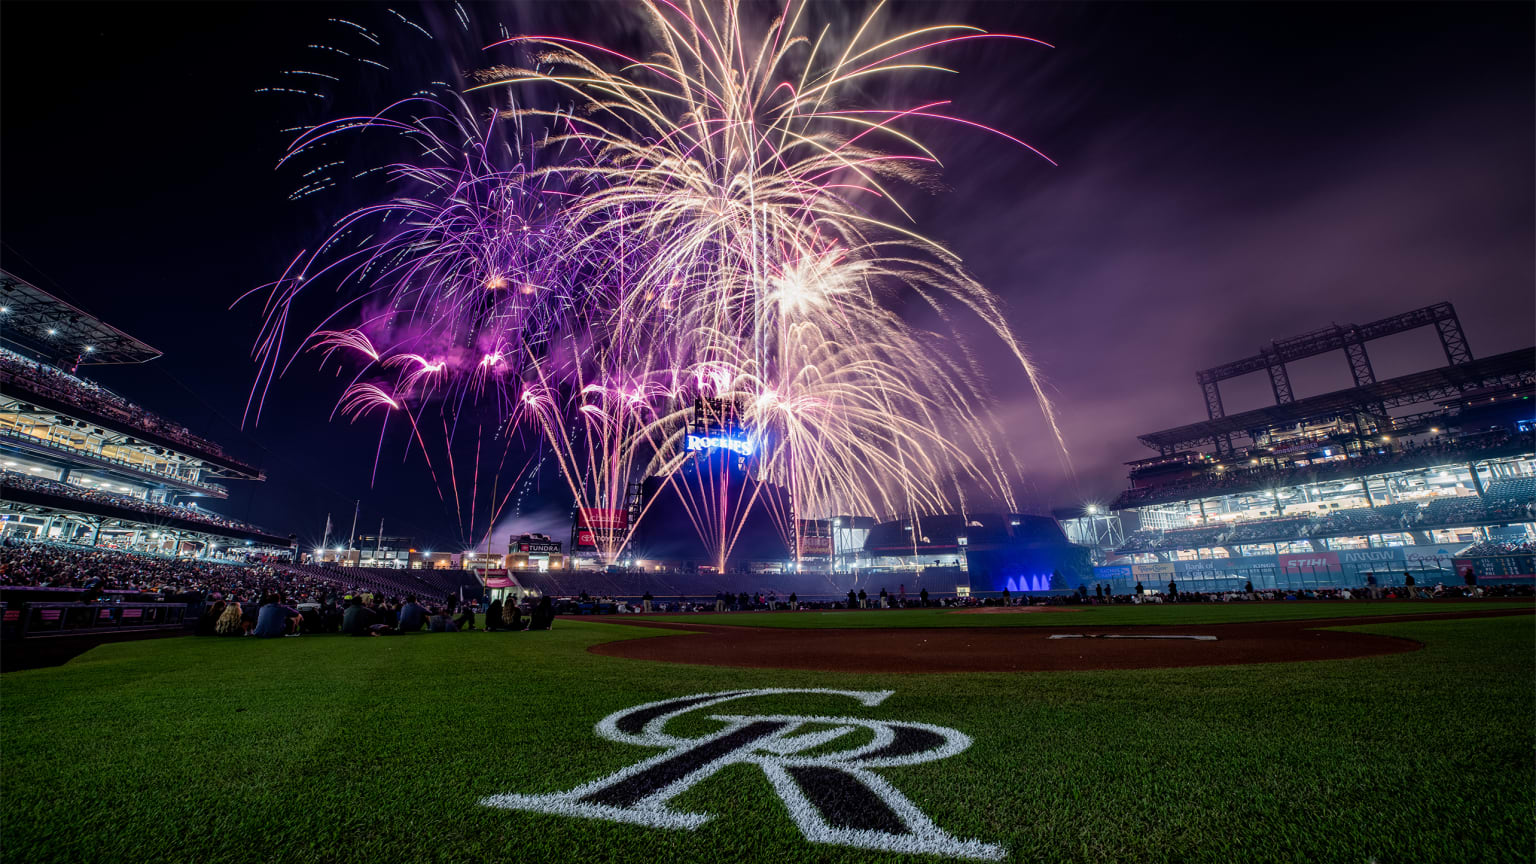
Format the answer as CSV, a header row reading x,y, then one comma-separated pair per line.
x,y
35,620
214,489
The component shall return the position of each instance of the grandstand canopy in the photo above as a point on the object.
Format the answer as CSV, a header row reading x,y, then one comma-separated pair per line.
x,y
77,336
1501,371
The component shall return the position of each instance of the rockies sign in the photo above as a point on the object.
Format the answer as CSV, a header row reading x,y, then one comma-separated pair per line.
x,y
835,797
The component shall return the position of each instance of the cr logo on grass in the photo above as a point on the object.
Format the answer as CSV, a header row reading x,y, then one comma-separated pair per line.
x,y
834,796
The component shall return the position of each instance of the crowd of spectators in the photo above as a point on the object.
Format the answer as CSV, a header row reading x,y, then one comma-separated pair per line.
x,y
1357,521
156,470
362,613
1396,457
93,397
60,565
260,598
1499,547
17,480
1445,512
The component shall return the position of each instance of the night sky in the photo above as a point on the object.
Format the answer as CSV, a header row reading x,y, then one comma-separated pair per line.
x,y
1229,174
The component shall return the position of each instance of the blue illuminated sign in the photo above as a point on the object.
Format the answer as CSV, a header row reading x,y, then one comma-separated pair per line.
x,y
742,446
1037,582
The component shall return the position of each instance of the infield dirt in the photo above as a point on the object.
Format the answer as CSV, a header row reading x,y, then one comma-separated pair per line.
x,y
999,649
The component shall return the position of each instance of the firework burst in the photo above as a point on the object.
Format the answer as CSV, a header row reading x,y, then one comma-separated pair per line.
x,y
722,218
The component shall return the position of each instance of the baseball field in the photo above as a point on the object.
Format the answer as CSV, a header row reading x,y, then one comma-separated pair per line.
x,y
1325,732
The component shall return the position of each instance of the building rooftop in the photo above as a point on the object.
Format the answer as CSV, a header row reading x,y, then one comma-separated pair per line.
x,y
63,332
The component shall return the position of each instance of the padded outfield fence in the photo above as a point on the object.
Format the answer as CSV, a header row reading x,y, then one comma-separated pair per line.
x,y
33,620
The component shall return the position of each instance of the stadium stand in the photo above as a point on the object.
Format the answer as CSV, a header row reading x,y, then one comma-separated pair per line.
x,y
674,584
1460,511
1239,479
1464,510
1363,520
11,482
21,375
82,462
1269,530
1396,462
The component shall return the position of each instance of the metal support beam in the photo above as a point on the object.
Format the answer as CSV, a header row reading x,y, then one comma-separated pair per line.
x,y
1452,339
1359,362
1279,381
1212,390
1350,338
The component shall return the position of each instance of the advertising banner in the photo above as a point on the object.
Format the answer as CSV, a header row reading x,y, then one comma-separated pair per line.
x,y
1111,573
616,519
815,545
1310,561
538,547
595,524
1153,569
1369,556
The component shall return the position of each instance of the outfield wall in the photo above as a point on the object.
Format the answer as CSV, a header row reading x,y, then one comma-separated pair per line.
x,y
1332,569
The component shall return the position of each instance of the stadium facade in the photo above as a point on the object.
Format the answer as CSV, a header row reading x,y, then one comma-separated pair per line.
x,y
81,464
1431,474
948,553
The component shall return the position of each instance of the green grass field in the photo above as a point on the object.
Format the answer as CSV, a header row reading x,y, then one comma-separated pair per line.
x,y
366,750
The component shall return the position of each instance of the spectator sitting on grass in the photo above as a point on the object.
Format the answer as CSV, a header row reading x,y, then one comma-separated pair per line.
x,y
358,620
441,623
209,620
412,616
274,619
466,620
512,615
230,623
493,616
543,615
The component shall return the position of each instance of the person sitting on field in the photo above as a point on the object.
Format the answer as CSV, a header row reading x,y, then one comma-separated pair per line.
x,y
543,615
273,618
412,615
231,622
493,616
358,620
441,623
210,619
466,620
512,615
